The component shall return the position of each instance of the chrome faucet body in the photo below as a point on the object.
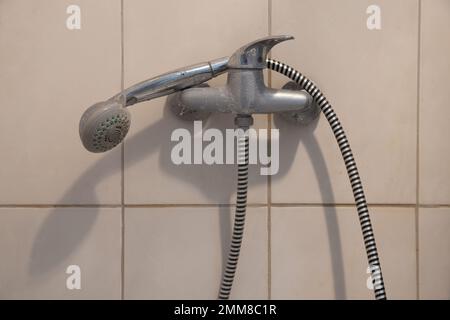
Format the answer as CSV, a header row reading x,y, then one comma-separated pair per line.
x,y
245,92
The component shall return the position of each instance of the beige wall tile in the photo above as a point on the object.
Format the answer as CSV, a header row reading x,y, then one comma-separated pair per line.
x,y
161,36
49,76
434,253
370,78
177,253
38,245
318,253
434,98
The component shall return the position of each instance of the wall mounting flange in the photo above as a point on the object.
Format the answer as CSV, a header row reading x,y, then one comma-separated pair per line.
x,y
183,111
304,116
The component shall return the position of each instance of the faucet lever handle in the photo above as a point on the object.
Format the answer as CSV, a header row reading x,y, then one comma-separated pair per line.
x,y
253,55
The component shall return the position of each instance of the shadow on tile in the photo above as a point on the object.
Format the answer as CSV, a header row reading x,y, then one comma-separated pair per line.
x,y
51,247
312,147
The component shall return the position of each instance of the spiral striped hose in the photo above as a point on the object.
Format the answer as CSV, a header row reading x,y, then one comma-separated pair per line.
x,y
352,171
239,218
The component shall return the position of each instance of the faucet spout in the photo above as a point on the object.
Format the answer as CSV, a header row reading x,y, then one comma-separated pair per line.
x,y
281,100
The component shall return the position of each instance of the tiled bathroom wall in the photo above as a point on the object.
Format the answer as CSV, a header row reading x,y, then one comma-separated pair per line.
x,y
130,224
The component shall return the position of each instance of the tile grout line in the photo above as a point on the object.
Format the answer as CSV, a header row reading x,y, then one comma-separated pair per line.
x,y
193,205
122,163
434,206
269,177
338,205
419,22
62,206
218,205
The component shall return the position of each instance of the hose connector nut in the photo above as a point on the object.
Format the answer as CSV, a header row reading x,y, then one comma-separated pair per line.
x,y
243,121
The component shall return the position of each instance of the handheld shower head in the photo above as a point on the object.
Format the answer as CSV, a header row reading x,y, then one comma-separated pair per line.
x,y
104,125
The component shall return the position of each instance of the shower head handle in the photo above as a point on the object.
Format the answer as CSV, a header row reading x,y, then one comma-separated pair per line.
x,y
172,81
250,56
253,55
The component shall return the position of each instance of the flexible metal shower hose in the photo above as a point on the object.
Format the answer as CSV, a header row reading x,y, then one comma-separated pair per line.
x,y
239,218
352,171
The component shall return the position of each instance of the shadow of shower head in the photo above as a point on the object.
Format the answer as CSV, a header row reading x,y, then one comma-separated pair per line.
x,y
104,125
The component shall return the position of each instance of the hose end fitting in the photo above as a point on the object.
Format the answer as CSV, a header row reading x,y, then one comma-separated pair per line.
x,y
243,121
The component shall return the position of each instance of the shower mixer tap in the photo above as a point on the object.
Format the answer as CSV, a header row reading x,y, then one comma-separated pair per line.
x,y
105,124
245,92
